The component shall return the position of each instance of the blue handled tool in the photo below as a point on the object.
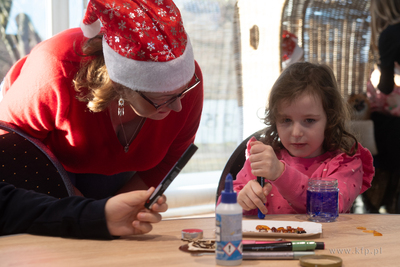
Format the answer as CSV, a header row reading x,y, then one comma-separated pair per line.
x,y
260,180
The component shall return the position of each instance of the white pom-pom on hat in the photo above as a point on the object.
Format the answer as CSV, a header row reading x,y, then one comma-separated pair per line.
x,y
91,30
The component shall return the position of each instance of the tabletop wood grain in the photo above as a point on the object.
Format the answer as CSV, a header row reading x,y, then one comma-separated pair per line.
x,y
161,246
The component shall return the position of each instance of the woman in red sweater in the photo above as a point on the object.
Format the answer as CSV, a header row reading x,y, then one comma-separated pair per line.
x,y
117,105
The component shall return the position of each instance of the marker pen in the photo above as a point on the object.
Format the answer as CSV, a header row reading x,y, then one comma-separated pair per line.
x,y
275,255
285,246
171,175
261,182
245,241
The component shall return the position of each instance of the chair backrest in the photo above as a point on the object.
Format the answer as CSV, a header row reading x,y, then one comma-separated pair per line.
x,y
27,163
235,162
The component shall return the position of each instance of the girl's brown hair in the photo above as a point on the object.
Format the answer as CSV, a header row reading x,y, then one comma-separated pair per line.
x,y
317,80
92,81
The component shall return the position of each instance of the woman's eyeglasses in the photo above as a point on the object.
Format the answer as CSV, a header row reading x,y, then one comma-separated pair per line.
x,y
157,106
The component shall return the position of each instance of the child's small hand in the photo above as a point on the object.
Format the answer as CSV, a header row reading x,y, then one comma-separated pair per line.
x,y
254,196
264,162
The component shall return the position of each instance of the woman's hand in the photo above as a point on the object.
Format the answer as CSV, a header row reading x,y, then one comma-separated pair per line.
x,y
126,214
263,161
254,196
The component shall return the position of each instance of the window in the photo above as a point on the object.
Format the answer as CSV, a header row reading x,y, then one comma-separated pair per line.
x,y
24,23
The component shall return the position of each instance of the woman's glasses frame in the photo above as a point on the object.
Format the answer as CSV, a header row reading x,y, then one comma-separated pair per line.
x,y
157,106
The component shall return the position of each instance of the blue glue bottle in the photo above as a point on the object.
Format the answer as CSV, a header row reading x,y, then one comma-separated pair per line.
x,y
228,233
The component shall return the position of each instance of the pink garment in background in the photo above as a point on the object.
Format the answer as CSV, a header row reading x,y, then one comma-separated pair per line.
x,y
388,104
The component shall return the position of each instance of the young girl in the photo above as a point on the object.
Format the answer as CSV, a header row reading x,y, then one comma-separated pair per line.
x,y
306,138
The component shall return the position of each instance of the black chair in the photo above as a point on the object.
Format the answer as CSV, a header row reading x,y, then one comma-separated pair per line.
x,y
26,162
235,162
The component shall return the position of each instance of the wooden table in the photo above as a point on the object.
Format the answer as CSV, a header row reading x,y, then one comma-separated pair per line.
x,y
160,247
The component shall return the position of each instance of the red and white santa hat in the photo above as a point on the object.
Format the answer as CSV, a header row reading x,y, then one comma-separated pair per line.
x,y
145,45
291,51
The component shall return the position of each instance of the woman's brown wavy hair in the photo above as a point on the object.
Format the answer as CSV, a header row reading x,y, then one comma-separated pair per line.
x,y
92,81
317,80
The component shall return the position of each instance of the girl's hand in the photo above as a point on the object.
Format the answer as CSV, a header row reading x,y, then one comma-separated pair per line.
x,y
254,196
264,162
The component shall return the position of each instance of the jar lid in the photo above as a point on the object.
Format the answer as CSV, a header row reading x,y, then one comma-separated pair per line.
x,y
192,234
320,261
322,182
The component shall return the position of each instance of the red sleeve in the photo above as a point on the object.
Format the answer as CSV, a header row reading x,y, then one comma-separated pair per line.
x,y
38,87
33,103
